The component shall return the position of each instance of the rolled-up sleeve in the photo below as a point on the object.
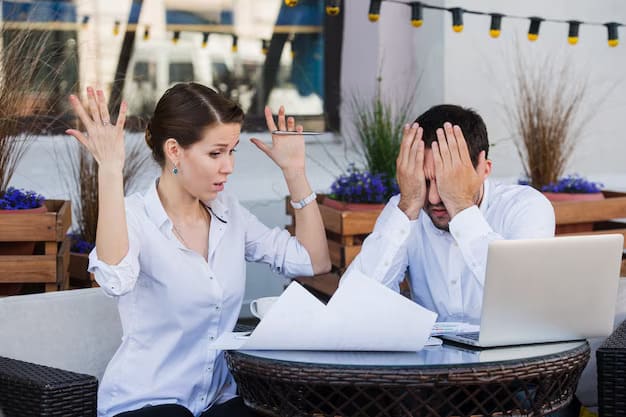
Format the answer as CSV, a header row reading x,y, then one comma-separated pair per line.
x,y
116,280
384,255
276,247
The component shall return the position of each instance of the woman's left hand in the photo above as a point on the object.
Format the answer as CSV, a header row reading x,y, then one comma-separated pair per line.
x,y
287,151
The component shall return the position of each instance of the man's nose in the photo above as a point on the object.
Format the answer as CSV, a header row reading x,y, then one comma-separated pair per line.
x,y
433,194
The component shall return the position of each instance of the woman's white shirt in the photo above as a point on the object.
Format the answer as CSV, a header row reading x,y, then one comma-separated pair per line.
x,y
173,303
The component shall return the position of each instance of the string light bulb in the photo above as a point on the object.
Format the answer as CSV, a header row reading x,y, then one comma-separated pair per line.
x,y
374,12
457,19
116,28
291,3
265,46
533,29
176,37
205,39
146,33
417,14
234,46
496,25
85,22
612,33
572,34
333,7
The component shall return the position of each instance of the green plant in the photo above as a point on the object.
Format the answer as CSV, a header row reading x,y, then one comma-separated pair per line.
x,y
378,125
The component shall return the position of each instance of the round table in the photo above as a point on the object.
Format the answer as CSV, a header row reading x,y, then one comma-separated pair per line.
x,y
447,380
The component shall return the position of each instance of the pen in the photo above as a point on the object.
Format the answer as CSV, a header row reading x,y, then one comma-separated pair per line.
x,y
284,132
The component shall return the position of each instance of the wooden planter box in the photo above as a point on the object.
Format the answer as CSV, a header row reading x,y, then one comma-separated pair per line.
x,y
79,277
604,217
49,264
345,231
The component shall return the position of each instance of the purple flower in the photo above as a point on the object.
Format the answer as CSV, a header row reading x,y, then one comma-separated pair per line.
x,y
356,186
18,199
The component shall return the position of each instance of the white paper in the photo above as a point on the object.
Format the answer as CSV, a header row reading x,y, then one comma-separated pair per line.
x,y
362,315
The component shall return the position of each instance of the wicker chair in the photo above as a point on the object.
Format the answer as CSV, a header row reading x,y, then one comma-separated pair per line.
x,y
611,360
29,390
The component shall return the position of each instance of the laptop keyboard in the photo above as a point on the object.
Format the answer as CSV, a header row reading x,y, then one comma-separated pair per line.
x,y
472,336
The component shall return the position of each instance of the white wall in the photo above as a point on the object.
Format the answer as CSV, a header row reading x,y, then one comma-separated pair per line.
x,y
474,70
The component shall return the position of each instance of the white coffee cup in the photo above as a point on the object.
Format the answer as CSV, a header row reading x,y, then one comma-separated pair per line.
x,y
261,306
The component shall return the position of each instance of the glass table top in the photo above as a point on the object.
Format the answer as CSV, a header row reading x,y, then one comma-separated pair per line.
x,y
443,355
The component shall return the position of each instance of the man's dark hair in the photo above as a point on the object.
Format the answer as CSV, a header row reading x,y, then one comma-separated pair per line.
x,y
470,122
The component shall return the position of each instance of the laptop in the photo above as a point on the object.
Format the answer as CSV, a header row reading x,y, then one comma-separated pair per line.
x,y
548,290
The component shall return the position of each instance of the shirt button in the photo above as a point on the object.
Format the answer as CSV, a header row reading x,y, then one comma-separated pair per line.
x,y
210,277
217,308
454,282
211,337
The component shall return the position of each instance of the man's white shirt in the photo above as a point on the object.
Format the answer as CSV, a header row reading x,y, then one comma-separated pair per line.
x,y
446,270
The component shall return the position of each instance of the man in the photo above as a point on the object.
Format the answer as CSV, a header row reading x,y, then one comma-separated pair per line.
x,y
447,212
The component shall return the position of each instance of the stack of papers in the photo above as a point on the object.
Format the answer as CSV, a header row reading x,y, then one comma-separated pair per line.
x,y
453,327
362,315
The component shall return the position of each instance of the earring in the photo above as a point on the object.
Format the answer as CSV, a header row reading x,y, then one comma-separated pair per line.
x,y
175,170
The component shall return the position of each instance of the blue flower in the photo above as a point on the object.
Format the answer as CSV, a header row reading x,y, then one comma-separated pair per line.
x,y
356,186
79,245
570,184
18,199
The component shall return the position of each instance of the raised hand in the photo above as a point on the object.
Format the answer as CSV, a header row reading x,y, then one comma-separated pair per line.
x,y
105,141
287,151
410,171
458,182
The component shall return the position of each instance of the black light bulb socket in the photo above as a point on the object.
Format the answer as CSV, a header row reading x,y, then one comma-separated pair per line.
x,y
574,29
535,23
496,22
457,16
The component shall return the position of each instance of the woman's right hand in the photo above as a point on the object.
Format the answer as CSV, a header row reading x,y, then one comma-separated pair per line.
x,y
105,141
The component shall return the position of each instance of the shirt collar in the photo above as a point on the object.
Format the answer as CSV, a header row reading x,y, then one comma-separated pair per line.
x,y
218,208
159,217
484,204
153,205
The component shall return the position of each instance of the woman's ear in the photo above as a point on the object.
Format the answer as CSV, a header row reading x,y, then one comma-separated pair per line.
x,y
172,150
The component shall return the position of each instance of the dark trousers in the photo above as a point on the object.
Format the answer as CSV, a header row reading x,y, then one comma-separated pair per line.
x,y
231,408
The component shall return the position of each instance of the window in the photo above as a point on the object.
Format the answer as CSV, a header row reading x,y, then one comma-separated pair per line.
x,y
256,52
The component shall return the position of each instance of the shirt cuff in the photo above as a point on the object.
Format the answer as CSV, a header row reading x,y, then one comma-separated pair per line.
x,y
396,226
115,280
468,225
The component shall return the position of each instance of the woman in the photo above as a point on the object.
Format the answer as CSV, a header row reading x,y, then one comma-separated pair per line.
x,y
174,256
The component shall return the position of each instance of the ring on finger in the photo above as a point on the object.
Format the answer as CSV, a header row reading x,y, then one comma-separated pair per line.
x,y
106,122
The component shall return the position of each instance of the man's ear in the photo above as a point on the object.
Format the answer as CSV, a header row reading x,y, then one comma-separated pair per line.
x,y
484,165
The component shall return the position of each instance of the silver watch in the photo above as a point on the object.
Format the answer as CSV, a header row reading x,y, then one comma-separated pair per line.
x,y
304,202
